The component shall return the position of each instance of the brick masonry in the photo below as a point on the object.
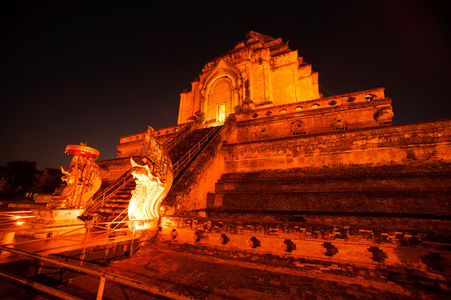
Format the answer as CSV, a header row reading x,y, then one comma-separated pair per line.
x,y
405,258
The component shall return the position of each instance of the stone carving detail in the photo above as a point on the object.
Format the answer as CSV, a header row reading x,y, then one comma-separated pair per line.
x,y
247,103
384,115
297,127
247,88
233,58
260,132
378,254
153,180
198,117
331,250
338,124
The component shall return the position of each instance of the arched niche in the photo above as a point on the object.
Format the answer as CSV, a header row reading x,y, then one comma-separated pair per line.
x,y
221,87
219,97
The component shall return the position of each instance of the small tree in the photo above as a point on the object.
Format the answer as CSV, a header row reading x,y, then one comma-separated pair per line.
x,y
21,175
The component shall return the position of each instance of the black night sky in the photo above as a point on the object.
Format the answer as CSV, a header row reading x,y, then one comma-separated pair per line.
x,y
93,71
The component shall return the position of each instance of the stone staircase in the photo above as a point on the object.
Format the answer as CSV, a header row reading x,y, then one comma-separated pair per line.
x,y
415,190
192,142
111,205
115,208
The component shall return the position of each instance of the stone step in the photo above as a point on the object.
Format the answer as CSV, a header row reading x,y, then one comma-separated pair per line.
x,y
121,196
187,143
404,183
116,203
348,172
402,202
126,190
111,210
110,218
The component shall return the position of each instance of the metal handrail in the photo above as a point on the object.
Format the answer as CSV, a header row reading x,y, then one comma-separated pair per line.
x,y
180,136
103,276
38,286
112,190
186,158
117,217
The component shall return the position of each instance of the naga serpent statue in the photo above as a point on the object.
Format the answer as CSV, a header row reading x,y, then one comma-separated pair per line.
x,y
153,181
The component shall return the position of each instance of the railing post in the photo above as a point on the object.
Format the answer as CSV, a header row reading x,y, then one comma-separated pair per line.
x,y
103,276
101,288
89,224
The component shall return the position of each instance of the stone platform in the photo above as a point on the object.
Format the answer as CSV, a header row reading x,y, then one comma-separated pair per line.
x,y
208,277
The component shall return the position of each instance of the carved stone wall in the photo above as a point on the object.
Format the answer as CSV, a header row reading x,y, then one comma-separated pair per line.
x,y
274,124
425,142
409,262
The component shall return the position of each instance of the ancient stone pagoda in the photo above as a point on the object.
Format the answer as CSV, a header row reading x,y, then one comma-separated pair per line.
x,y
265,166
261,72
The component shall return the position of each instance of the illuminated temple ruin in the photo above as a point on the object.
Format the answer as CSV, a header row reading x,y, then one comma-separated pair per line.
x,y
261,167
264,165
